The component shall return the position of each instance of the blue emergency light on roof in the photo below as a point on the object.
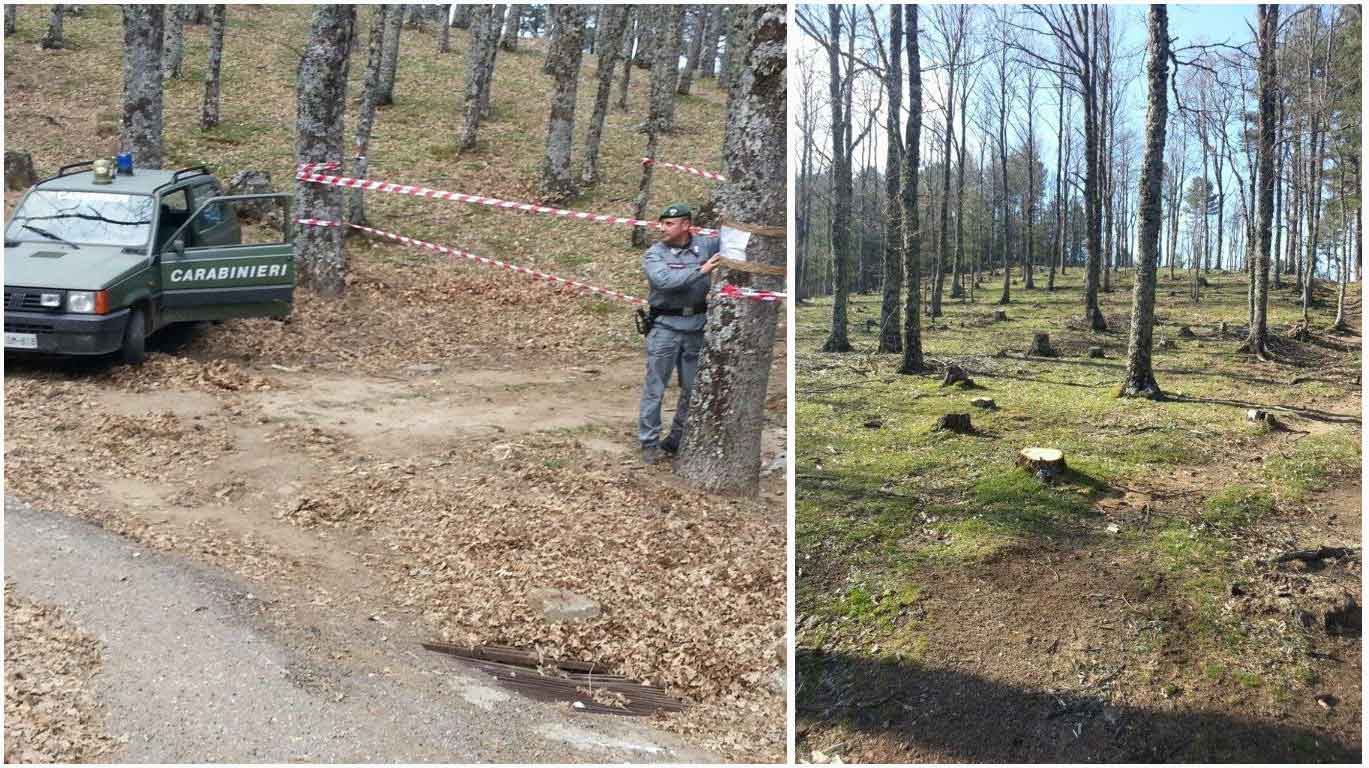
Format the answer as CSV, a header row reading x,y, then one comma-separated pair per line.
x,y
124,160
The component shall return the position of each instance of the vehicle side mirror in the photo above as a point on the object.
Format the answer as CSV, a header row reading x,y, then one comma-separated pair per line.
x,y
178,246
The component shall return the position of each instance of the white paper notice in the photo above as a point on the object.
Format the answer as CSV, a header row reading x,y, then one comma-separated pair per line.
x,y
734,243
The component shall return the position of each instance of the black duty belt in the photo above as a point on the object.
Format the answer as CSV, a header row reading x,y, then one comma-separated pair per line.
x,y
697,309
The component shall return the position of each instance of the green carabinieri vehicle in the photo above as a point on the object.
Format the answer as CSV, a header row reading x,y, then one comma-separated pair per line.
x,y
97,260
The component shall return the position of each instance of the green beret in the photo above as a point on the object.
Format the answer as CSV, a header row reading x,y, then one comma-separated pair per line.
x,y
676,211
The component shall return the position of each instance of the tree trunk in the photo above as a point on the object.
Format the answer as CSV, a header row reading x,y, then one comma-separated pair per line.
x,y
389,63
321,92
695,48
709,56
444,37
725,65
509,40
943,227
563,64
1093,214
173,49
54,39
11,17
209,112
721,450
1278,195
957,287
912,230
491,50
890,328
142,118
1268,84
629,40
648,18
665,67
461,16
1029,199
477,76
612,23
837,341
370,96
1003,108
1140,377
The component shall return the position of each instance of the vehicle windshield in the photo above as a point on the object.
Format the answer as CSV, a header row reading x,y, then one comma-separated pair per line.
x,y
83,218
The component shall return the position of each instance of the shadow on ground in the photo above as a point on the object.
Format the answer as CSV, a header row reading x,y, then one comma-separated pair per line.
x,y
910,713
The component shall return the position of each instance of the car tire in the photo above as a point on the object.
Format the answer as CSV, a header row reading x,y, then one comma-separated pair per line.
x,y
134,349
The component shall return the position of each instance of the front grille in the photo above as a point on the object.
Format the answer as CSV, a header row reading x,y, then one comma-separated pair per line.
x,y
27,328
31,299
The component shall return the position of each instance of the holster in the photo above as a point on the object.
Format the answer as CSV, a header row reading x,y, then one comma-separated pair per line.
x,y
644,321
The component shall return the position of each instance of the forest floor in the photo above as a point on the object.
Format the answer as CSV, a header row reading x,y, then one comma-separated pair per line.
x,y
426,451
952,607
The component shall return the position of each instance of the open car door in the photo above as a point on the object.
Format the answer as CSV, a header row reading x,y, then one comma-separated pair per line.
x,y
219,265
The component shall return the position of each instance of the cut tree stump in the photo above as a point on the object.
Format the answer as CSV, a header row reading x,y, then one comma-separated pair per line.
x,y
1186,333
955,422
1000,315
1041,345
1096,352
986,403
1255,416
1045,463
954,375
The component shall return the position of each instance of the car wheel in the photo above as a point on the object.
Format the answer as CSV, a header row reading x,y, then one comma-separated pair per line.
x,y
134,350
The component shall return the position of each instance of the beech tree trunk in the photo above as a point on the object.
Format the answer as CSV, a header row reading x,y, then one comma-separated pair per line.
x,y
629,40
647,23
665,67
695,48
509,39
461,16
366,115
563,64
389,62
709,56
890,326
142,117
612,23
1140,376
721,450
476,74
173,49
444,37
11,17
837,341
321,92
53,40
491,53
1268,84
912,229
209,113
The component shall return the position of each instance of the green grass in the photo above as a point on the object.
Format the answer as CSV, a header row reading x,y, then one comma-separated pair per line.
x,y
1313,461
901,503
1236,506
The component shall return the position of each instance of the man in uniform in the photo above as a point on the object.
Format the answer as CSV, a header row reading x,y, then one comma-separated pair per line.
x,y
677,268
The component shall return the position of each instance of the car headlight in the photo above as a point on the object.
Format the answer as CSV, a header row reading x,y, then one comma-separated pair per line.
x,y
81,301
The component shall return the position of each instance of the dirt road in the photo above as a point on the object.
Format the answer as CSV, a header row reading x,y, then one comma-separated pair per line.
x,y
193,671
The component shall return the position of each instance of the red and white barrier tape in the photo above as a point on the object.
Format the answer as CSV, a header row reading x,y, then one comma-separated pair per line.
x,y
735,292
577,285
438,194
727,289
686,169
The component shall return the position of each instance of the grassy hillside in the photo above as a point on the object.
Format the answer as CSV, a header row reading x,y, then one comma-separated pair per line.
x,y
1132,602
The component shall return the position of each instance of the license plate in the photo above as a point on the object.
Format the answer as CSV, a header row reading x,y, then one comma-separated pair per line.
x,y
21,341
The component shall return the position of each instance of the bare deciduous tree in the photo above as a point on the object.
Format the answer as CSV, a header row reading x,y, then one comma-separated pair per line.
x,y
142,114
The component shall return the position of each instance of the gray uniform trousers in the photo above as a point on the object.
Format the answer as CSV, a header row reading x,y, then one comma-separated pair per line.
x,y
667,351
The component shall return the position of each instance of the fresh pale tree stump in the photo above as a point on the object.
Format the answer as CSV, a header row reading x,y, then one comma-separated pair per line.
x,y
955,422
1041,345
1045,463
